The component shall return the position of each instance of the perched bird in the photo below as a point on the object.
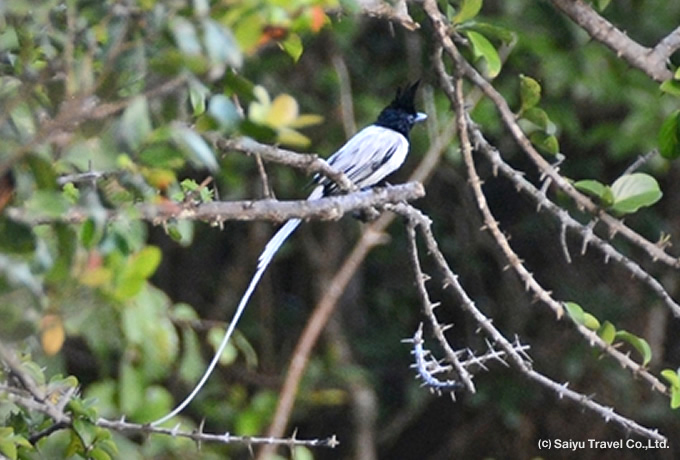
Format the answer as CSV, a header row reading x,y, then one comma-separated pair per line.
x,y
366,159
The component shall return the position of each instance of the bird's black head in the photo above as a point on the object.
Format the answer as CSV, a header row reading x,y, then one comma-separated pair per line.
x,y
401,114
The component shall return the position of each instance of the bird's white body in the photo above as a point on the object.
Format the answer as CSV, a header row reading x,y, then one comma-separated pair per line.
x,y
371,155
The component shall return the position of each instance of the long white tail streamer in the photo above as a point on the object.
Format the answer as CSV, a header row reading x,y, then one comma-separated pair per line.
x,y
265,258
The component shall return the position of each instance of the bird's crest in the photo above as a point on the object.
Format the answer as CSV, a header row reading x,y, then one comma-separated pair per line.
x,y
404,100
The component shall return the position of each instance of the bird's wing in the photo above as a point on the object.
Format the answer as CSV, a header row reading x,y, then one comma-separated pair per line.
x,y
369,156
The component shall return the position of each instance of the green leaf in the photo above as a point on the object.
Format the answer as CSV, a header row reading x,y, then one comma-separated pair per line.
x,y
633,191
468,10
579,316
181,231
135,123
198,93
482,47
671,377
575,312
538,117
131,388
157,402
48,203
23,121
43,172
8,449
162,155
224,112
602,4
215,336
197,150
138,268
221,44
529,92
590,321
258,131
669,137
492,30
191,364
675,397
638,343
596,189
81,409
185,35
88,232
86,430
545,142
607,332
145,262
98,454
671,87
237,84
292,45
71,193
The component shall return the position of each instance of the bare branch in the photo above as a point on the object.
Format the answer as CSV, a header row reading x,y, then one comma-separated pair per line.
x,y
226,438
397,12
310,163
329,208
33,399
428,308
516,357
668,45
653,62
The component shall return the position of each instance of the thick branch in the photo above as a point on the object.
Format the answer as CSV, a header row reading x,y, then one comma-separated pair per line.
x,y
330,208
669,45
653,62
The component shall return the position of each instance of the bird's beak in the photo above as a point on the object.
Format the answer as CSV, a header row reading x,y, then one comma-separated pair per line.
x,y
420,116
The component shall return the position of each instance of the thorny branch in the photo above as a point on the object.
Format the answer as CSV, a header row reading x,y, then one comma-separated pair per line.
x,y
32,397
428,368
652,61
516,357
529,280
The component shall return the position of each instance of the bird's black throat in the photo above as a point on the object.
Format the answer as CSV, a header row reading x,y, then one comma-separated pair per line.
x,y
397,120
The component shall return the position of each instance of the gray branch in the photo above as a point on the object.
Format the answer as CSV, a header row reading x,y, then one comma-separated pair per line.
x,y
330,208
653,62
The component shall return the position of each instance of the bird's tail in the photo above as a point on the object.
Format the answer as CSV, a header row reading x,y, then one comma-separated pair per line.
x,y
266,257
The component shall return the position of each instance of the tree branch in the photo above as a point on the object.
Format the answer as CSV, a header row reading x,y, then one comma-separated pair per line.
x,y
32,398
329,208
310,163
516,356
653,62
